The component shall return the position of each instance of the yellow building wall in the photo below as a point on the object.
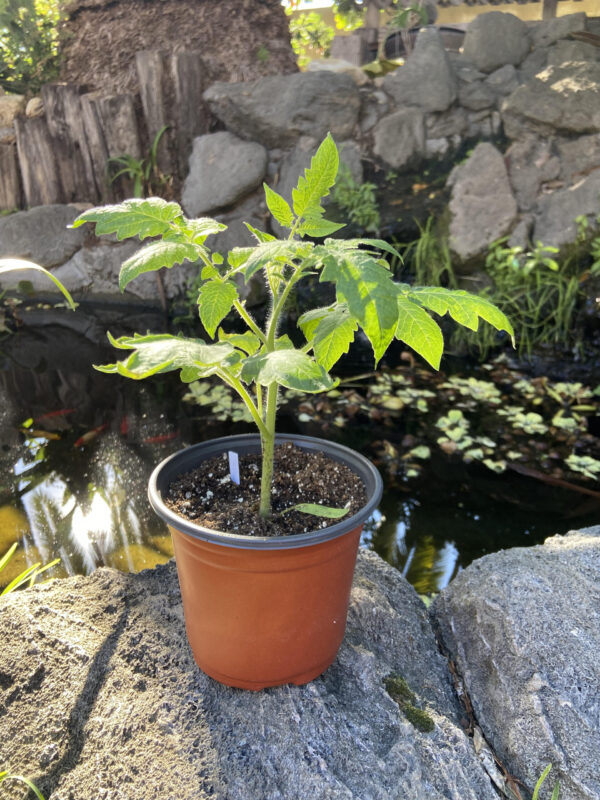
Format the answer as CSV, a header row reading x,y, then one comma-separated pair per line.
x,y
454,15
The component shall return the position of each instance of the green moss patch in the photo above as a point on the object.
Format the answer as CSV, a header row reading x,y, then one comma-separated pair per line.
x,y
399,690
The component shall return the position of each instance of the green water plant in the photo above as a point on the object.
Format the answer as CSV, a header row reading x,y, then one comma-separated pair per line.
x,y
540,783
144,172
6,776
258,362
18,264
29,575
358,200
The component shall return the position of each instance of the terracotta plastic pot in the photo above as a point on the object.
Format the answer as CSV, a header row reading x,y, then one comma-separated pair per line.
x,y
264,611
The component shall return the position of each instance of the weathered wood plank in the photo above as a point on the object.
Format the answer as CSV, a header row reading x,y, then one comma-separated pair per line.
x,y
119,124
191,115
62,106
10,187
38,162
96,143
111,129
156,97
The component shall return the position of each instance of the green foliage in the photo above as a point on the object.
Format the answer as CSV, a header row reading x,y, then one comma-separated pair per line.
x,y
358,200
538,292
310,36
144,172
259,361
26,578
5,775
319,511
18,264
28,44
539,784
428,258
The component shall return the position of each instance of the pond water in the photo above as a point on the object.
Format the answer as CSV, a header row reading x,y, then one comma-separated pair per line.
x,y
77,447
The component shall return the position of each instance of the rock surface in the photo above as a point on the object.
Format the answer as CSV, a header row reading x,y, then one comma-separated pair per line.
x,y
562,98
482,205
427,79
10,106
495,39
101,698
276,111
556,212
400,137
523,627
41,234
223,169
549,31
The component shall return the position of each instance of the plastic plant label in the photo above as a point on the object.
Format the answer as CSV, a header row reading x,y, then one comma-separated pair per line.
x,y
234,467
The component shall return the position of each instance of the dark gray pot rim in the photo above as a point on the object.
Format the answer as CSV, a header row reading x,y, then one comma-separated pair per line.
x,y
187,459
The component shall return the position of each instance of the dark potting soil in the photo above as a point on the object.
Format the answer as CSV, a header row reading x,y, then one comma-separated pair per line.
x,y
208,496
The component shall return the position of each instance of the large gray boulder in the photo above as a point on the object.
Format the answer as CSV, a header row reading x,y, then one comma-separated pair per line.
x,y
557,211
427,79
578,156
530,163
276,111
562,98
523,627
495,39
546,32
400,137
482,205
41,234
102,699
223,169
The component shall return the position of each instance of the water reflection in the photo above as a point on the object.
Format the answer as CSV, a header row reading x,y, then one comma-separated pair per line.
x,y
78,446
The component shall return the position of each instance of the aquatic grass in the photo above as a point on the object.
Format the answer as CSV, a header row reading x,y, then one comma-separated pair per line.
x,y
5,775
28,576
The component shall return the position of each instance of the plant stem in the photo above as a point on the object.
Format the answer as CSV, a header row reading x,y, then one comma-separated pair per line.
x,y
268,447
249,321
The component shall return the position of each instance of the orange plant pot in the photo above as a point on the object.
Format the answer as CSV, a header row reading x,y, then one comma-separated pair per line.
x,y
264,611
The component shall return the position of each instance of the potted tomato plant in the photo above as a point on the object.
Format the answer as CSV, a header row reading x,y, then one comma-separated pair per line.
x,y
265,558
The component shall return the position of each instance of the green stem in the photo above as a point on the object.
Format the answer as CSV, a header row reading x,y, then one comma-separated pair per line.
x,y
268,448
236,384
249,321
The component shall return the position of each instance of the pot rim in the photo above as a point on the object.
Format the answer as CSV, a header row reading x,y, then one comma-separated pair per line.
x,y
186,459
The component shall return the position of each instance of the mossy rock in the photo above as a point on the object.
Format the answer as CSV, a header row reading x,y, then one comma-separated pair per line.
x,y
399,690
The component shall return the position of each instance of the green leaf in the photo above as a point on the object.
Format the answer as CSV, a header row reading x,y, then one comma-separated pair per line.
x,y
157,353
416,329
367,289
279,207
247,342
266,253
7,556
541,780
463,307
333,336
17,264
157,255
310,319
318,227
290,368
201,228
237,257
318,511
209,271
317,180
260,236
143,218
363,245
214,303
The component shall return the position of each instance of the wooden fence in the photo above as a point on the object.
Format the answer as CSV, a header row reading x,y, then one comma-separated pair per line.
x,y
62,155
